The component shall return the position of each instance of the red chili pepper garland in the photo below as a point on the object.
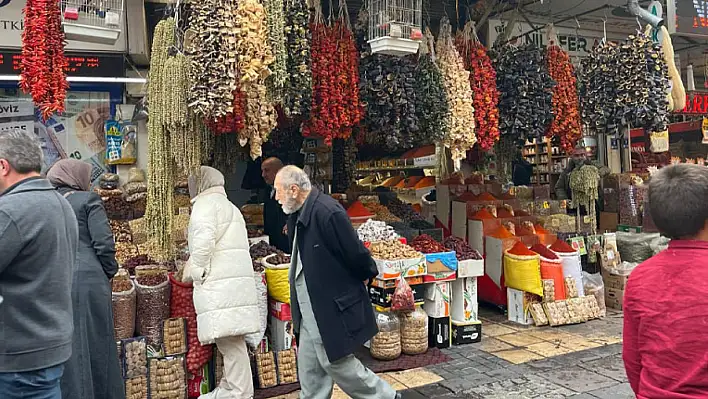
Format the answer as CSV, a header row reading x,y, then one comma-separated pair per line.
x,y
335,83
566,115
232,122
43,61
483,80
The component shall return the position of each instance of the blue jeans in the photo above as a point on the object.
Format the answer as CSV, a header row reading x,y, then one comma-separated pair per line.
x,y
38,384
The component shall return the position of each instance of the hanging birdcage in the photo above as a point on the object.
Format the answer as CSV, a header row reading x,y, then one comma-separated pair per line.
x,y
395,26
96,21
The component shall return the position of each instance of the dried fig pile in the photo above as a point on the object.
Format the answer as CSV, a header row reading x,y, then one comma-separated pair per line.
x,y
566,114
483,82
461,137
525,88
431,107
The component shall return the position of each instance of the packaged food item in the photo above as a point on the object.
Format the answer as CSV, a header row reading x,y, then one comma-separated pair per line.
x,y
287,367
168,378
571,287
121,143
266,371
134,357
549,290
386,345
136,387
174,336
402,299
538,314
414,332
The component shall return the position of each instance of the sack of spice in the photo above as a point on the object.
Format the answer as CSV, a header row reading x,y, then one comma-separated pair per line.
x,y
153,301
402,299
123,300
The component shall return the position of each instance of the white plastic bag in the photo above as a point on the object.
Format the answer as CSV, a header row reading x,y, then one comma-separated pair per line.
x,y
594,285
254,339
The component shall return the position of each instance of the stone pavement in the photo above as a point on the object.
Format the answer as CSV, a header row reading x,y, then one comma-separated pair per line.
x,y
580,361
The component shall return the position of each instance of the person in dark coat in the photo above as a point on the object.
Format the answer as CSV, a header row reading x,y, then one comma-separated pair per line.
x,y
334,318
274,219
93,371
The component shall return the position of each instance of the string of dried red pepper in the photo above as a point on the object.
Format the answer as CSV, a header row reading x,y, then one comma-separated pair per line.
x,y
483,79
566,115
43,61
335,82
233,122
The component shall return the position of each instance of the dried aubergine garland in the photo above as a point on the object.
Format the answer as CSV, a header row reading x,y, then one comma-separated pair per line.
x,y
461,136
43,61
275,20
431,107
298,87
483,82
566,115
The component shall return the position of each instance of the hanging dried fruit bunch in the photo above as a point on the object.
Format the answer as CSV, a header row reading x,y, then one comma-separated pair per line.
x,y
483,82
254,58
526,92
432,108
461,137
566,116
160,162
43,60
298,87
233,122
275,20
388,92
213,54
335,75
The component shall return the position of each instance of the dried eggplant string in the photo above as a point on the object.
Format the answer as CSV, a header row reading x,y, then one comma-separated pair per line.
x,y
298,87
160,162
432,107
276,37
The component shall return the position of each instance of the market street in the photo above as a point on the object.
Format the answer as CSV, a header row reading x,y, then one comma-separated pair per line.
x,y
580,361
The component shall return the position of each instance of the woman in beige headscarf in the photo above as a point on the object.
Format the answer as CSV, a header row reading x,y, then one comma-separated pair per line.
x,y
224,290
93,371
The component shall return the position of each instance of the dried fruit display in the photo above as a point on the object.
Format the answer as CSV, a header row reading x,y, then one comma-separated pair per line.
x,y
566,114
168,378
427,245
525,89
483,82
275,20
335,76
298,88
160,168
254,58
43,61
431,107
461,137
388,93
214,59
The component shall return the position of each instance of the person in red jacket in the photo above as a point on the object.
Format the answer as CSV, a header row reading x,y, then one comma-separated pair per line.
x,y
665,348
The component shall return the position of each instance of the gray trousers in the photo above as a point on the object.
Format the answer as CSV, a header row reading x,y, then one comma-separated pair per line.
x,y
318,375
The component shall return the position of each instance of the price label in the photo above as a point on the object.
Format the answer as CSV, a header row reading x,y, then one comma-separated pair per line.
x,y
546,205
610,255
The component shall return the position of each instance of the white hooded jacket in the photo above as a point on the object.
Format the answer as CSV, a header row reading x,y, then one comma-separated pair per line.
x,y
220,265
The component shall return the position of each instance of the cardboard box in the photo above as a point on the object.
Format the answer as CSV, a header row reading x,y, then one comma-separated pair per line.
x,y
392,269
614,281
279,310
437,300
282,336
518,304
439,332
614,298
440,277
470,268
466,333
442,262
464,306
381,297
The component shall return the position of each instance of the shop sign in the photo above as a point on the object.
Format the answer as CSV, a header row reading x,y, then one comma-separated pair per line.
x,y
14,109
576,43
25,126
687,17
12,25
696,104
423,162
79,64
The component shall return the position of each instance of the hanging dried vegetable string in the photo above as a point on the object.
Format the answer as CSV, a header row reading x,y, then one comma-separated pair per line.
x,y
160,162
461,137
276,37
254,58
483,82
233,122
298,87
335,73
213,54
43,61
566,116
525,89
432,107
584,184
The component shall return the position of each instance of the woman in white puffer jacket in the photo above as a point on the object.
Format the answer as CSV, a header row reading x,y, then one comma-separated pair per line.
x,y
224,290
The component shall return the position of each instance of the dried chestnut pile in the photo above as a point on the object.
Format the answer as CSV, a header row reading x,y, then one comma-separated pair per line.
x,y
461,248
566,114
427,245
432,108
483,82
525,88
